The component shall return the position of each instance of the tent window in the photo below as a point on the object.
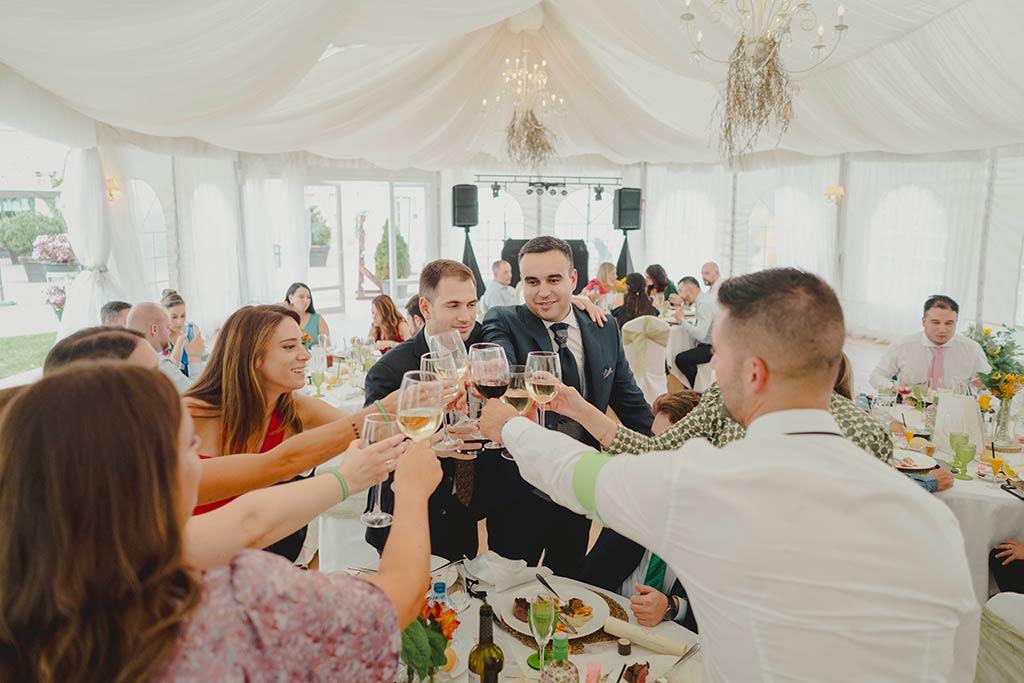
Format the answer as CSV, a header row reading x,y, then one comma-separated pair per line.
x,y
148,215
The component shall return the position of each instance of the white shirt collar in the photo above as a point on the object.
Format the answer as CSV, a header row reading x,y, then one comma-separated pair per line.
x,y
793,421
932,345
570,320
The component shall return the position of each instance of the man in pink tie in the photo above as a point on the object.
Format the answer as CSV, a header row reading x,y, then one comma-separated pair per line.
x,y
936,356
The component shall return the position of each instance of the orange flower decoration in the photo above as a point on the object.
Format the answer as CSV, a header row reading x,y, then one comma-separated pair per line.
x,y
434,616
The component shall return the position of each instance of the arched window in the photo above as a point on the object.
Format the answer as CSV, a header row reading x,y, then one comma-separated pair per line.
x,y
581,217
907,241
500,218
148,217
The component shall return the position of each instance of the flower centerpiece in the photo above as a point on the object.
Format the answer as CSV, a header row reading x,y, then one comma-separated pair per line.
x,y
56,297
426,642
1001,351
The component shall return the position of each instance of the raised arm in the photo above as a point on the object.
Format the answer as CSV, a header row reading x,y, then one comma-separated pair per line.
x,y
260,518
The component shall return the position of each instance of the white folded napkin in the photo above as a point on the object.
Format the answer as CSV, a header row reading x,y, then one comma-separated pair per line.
x,y
647,637
502,573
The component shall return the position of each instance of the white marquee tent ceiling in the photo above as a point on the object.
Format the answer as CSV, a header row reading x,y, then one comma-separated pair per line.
x,y
399,82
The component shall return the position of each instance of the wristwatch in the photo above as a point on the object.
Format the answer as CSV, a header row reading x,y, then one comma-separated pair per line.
x,y
673,609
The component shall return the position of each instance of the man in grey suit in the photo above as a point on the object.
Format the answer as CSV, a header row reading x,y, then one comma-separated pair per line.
x,y
520,522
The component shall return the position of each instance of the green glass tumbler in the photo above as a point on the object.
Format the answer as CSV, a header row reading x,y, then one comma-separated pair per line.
x,y
964,455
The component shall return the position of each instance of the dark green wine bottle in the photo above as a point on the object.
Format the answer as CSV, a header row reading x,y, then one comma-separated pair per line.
x,y
486,660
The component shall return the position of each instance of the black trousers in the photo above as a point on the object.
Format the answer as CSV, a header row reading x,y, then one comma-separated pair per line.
x,y
525,528
1010,578
687,361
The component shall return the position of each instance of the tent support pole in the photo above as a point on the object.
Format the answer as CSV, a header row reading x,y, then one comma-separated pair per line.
x,y
986,221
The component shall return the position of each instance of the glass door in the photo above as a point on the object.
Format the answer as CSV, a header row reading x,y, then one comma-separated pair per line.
x,y
327,248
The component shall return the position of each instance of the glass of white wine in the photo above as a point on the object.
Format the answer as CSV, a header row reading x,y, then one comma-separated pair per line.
x,y
376,428
451,342
443,365
517,395
420,404
318,368
543,373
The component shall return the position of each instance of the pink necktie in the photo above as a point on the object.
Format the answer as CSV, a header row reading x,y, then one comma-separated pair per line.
x,y
937,371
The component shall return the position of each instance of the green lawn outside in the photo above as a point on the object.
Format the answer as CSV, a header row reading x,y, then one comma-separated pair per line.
x,y
18,354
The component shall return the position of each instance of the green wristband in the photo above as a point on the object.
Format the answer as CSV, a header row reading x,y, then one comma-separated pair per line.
x,y
344,484
383,413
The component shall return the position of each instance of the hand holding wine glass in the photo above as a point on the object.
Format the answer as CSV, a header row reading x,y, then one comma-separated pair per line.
x,y
378,429
442,364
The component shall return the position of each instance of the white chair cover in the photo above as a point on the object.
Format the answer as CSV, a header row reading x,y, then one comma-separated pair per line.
x,y
1001,647
645,340
679,341
957,413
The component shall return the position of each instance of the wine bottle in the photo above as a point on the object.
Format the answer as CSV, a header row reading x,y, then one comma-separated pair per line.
x,y
486,660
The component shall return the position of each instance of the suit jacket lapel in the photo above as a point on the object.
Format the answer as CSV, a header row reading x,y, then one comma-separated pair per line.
x,y
536,329
593,353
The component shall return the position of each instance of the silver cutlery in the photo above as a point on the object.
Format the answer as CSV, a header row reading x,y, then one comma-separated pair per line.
x,y
561,617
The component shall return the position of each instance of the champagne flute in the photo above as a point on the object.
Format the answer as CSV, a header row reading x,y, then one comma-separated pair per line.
x,y
543,373
377,428
517,395
488,366
420,404
451,342
543,621
317,367
443,365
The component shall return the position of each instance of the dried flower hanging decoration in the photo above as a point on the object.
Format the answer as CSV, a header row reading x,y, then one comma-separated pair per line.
x,y
528,141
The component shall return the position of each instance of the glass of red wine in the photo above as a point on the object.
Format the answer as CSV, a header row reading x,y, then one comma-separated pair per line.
x,y
488,368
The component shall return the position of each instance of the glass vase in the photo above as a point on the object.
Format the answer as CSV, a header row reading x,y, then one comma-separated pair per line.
x,y
1001,431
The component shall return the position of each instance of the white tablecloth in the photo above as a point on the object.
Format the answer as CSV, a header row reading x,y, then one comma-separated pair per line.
x,y
987,516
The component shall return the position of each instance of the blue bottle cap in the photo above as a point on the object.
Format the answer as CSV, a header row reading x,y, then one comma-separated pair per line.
x,y
439,587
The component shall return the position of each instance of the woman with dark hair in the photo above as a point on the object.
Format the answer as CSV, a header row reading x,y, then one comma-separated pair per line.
x,y
99,585
388,328
299,298
658,283
635,302
187,345
244,401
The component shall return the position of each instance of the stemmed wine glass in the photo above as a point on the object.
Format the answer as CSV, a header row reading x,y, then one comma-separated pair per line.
x,y
443,365
517,395
317,368
377,428
420,404
451,342
543,621
488,366
543,373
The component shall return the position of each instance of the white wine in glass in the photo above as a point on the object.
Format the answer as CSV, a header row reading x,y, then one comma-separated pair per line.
x,y
517,395
443,365
543,373
451,342
420,404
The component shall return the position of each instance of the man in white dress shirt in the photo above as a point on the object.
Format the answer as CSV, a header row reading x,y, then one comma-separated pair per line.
x,y
704,305
936,356
499,291
805,559
152,321
712,277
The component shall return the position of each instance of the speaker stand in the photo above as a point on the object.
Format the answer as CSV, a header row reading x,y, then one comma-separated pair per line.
x,y
469,260
625,265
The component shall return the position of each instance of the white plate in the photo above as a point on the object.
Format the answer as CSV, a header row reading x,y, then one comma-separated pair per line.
x,y
916,461
503,602
462,643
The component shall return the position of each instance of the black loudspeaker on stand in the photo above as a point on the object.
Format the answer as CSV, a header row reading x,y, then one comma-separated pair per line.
x,y
466,214
626,216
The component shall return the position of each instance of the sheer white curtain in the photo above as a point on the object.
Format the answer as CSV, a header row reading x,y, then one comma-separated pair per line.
x,y
688,219
207,199
127,216
913,227
1003,299
83,203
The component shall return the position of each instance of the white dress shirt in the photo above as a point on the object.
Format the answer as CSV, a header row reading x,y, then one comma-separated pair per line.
x,y
496,294
911,359
170,368
715,286
704,306
805,560
575,343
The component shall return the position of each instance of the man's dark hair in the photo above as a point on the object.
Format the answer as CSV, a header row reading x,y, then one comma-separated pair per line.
x,y
413,308
790,318
437,270
941,301
689,280
544,244
93,343
110,310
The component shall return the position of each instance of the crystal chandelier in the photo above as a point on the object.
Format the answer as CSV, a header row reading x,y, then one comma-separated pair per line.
x,y
528,139
758,91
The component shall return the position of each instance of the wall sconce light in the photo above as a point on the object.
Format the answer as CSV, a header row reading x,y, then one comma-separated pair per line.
x,y
835,194
113,189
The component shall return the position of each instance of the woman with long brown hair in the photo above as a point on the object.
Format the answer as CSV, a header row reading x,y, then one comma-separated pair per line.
x,y
243,402
95,582
388,328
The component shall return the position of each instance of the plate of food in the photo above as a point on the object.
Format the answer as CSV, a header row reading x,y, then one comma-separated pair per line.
x,y
584,609
912,461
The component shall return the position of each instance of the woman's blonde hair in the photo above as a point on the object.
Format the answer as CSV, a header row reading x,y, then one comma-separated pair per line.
x,y
606,273
93,581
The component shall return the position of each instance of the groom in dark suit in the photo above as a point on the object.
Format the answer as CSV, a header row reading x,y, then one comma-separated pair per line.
x,y
521,522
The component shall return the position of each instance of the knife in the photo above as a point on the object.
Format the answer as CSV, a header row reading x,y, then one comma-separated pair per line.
x,y
689,653
561,617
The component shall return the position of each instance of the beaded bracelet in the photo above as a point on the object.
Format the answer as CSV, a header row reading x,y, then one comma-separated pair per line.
x,y
344,484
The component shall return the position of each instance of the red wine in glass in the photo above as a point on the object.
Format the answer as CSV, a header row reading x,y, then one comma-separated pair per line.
x,y
491,389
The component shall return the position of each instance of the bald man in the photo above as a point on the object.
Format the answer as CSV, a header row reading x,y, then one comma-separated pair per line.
x,y
712,277
152,321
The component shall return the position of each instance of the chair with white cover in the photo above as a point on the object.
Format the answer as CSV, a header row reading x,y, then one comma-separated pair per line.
x,y
1001,646
645,339
679,341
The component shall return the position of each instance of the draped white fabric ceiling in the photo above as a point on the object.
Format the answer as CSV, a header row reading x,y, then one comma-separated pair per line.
x,y
402,81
